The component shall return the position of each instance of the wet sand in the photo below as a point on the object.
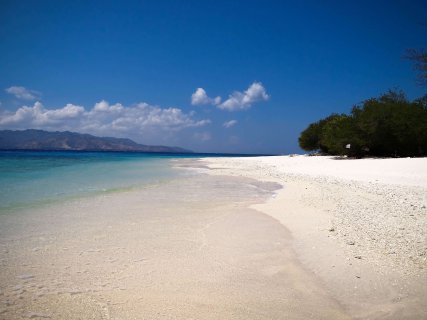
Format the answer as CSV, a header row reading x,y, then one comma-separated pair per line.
x,y
191,248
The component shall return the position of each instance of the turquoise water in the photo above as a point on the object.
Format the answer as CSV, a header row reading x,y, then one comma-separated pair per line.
x,y
34,178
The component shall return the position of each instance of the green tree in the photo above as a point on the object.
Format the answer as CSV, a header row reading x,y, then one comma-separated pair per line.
x,y
389,125
419,125
341,136
310,138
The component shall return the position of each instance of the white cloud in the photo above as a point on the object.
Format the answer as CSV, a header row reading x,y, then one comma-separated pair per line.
x,y
199,97
236,101
38,117
139,120
23,93
104,106
229,124
244,100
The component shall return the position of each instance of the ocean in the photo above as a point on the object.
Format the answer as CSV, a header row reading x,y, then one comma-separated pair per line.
x,y
29,178
119,235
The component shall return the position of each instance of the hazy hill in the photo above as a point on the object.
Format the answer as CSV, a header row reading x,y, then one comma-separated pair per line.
x,y
43,140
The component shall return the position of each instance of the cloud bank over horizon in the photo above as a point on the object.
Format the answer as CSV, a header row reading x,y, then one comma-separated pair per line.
x,y
236,101
141,120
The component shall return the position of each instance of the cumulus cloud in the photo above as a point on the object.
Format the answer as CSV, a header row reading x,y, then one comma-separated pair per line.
x,y
104,106
229,124
199,97
38,117
236,101
23,93
244,100
102,119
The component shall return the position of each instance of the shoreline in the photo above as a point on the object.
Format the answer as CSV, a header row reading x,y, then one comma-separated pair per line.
x,y
189,248
222,242
362,232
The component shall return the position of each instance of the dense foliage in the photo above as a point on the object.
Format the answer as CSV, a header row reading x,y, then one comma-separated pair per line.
x,y
386,126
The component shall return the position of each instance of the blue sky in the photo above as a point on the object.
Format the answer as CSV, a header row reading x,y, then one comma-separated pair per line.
x,y
130,68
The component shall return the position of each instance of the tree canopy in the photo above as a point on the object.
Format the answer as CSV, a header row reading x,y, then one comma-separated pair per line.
x,y
386,126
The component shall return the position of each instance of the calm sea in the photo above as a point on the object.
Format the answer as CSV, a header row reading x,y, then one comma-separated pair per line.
x,y
37,178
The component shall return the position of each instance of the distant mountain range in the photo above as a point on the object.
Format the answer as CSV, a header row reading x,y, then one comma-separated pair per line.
x,y
44,140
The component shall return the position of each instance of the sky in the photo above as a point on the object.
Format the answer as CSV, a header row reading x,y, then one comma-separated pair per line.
x,y
211,76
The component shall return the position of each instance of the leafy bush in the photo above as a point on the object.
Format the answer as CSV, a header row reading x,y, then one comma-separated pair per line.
x,y
310,138
386,126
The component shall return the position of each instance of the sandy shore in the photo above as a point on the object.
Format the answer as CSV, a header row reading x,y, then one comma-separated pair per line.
x,y
360,226
191,248
225,242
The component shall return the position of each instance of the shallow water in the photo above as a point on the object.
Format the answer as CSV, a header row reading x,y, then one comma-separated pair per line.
x,y
34,178
185,248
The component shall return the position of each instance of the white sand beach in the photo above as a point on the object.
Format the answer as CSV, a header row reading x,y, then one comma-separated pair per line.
x,y
359,225
191,248
342,239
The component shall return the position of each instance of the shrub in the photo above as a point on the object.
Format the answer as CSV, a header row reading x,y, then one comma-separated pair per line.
x,y
386,126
